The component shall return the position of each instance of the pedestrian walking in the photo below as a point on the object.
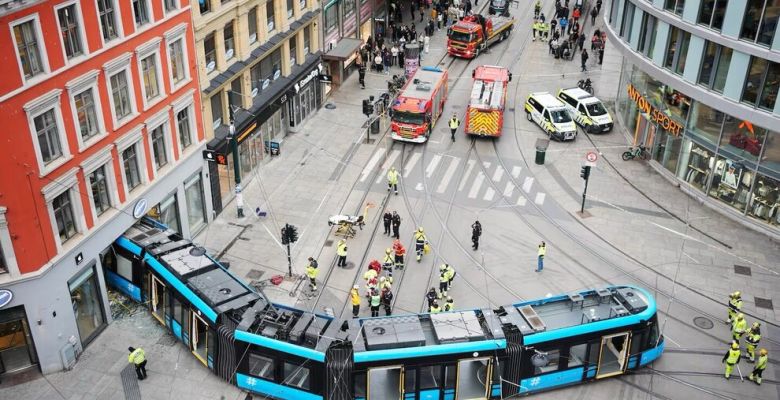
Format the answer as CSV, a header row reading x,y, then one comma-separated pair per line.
x,y
593,14
387,219
537,8
583,60
396,225
476,232
601,55
738,327
735,305
580,41
341,251
387,300
598,6
450,270
400,252
388,262
449,305
394,54
376,301
435,309
731,358
362,76
431,296
758,370
392,180
420,241
354,295
752,339
137,357
576,14
454,124
443,281
540,257
311,273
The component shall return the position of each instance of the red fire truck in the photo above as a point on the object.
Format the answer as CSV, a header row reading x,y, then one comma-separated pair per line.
x,y
419,105
474,33
485,113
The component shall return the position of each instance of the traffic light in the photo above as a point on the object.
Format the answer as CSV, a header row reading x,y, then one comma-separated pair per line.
x,y
285,238
289,234
585,172
368,108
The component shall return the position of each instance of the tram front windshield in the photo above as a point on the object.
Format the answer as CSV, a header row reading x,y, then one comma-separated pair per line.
x,y
461,36
406,117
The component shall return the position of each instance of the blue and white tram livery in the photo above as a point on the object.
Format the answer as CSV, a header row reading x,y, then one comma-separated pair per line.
x,y
286,353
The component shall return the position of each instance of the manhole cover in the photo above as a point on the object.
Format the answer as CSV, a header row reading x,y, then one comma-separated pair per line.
x,y
764,303
330,106
254,274
328,243
742,270
703,323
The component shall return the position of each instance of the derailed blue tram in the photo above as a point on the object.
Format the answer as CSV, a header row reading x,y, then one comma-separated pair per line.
x,y
286,353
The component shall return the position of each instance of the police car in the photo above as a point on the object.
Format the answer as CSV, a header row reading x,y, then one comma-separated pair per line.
x,y
551,115
586,110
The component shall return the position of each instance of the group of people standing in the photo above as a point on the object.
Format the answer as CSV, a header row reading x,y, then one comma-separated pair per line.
x,y
564,32
739,328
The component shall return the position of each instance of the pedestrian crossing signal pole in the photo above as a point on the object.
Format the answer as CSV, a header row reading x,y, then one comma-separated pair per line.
x,y
584,174
289,236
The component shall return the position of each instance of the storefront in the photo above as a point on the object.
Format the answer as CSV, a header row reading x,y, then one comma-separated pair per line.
x,y
340,60
365,20
380,18
712,154
17,351
305,98
87,304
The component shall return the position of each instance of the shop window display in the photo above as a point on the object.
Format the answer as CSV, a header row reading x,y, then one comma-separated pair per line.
x,y
742,139
706,122
87,307
731,183
696,162
765,200
770,156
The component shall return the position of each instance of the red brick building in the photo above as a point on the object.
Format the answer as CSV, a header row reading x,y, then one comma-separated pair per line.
x,y
101,125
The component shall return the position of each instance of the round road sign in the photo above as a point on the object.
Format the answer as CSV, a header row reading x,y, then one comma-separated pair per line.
x,y
592,156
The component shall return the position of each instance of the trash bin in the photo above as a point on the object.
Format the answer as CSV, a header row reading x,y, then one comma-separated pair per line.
x,y
375,126
541,149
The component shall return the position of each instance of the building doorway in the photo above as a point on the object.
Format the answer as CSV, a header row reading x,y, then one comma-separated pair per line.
x,y
87,305
17,351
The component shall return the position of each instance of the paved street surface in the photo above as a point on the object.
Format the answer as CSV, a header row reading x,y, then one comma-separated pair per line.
x,y
638,229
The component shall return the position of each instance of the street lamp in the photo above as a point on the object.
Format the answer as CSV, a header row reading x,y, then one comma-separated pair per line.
x,y
236,165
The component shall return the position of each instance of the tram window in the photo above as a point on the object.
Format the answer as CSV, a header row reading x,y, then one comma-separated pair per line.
x,y
175,308
212,349
637,340
297,375
653,334
410,380
577,355
450,376
260,366
360,385
430,377
593,352
552,363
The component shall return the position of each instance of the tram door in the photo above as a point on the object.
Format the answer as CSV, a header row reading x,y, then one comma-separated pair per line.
x,y
200,338
474,378
386,383
613,356
157,291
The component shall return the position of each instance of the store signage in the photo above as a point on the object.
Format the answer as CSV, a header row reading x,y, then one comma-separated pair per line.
x,y
79,258
255,91
283,99
658,116
301,83
5,297
326,78
140,208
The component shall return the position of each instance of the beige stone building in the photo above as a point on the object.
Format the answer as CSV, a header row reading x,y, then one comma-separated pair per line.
x,y
259,63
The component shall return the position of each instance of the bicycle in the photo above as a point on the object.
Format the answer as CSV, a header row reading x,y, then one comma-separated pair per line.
x,y
638,152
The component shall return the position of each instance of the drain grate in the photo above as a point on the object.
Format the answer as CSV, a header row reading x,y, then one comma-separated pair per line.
x,y
703,323
330,106
167,340
764,303
328,243
254,274
130,383
742,270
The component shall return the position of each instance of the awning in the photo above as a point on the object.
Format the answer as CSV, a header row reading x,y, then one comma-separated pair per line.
x,y
345,48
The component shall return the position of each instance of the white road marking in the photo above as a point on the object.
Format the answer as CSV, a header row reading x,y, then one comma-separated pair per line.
x,y
467,174
411,163
419,186
371,163
476,185
486,165
521,201
509,189
386,165
432,165
539,198
527,184
445,180
489,193
498,174
671,340
516,171
691,258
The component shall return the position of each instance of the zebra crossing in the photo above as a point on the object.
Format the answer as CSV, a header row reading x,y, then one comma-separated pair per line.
x,y
443,172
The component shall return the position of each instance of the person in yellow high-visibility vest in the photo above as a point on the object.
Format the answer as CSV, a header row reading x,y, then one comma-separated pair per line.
x,y
735,305
738,327
137,357
763,358
454,124
354,295
311,273
752,339
392,180
731,358
341,251
540,257
420,240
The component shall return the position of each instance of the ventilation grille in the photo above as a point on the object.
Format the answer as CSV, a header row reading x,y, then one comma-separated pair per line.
x,y
532,318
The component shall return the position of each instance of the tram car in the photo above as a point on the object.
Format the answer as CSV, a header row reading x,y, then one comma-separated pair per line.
x,y
285,353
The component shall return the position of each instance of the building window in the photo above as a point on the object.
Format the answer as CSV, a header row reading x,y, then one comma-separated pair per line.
x,y
176,58
235,95
63,214
120,92
269,12
48,136
306,40
87,305
331,19
210,50
170,5
99,185
270,66
216,110
761,84
158,147
712,12
205,6
132,167
3,264
647,35
71,33
86,114
293,49
196,213
290,8
108,23
149,74
302,4
183,123
262,367
230,47
141,12
675,6
715,66
682,53
677,50
27,46
628,20
252,24
760,22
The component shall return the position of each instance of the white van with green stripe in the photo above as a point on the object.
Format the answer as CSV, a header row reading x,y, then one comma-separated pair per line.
x,y
586,110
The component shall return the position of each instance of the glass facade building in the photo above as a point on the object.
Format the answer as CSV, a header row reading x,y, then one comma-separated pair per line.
x,y
698,86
